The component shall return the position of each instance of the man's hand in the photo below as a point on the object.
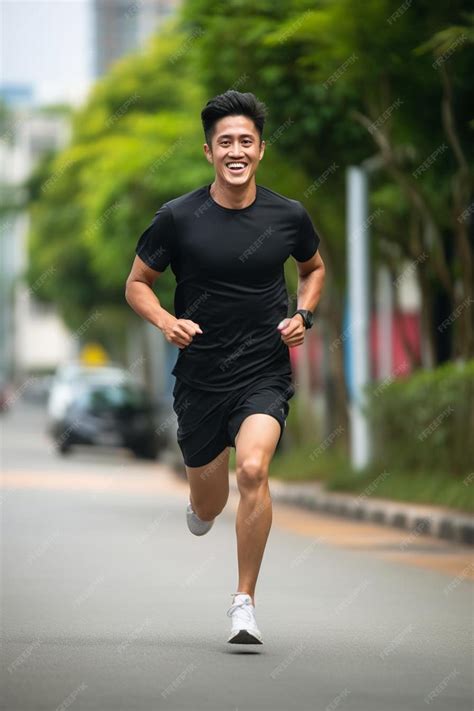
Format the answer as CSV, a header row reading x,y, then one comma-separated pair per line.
x,y
292,330
180,331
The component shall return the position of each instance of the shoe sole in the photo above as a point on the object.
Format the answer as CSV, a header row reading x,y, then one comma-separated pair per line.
x,y
244,637
200,533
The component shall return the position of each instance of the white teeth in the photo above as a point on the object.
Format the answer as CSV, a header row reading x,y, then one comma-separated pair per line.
x,y
235,165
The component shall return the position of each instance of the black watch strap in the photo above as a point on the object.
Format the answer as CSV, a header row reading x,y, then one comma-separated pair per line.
x,y
307,317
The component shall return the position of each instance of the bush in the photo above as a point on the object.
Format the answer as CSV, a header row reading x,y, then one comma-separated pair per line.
x,y
425,422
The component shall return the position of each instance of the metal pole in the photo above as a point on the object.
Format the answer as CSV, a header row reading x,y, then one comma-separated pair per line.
x,y
384,322
359,312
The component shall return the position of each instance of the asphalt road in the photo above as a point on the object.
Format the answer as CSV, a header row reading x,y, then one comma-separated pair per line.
x,y
109,603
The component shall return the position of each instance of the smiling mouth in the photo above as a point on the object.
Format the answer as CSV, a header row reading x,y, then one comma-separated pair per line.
x,y
236,166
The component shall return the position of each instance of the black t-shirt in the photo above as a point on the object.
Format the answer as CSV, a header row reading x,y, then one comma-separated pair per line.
x,y
230,280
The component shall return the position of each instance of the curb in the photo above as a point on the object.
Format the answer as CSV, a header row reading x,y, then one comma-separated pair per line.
x,y
420,519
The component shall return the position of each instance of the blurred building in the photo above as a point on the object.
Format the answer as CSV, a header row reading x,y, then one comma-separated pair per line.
x,y
32,336
121,26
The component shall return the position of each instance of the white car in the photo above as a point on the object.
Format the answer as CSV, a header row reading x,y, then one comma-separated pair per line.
x,y
70,377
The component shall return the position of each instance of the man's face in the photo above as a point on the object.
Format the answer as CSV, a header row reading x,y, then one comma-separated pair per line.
x,y
235,141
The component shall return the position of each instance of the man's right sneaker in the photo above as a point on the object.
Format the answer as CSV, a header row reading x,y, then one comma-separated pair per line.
x,y
195,524
244,626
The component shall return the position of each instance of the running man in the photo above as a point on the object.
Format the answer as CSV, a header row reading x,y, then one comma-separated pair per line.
x,y
226,244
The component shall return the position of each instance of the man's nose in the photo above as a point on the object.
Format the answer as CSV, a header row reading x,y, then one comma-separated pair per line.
x,y
236,151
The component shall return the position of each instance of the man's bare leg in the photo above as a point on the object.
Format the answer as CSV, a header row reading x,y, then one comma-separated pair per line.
x,y
209,486
255,445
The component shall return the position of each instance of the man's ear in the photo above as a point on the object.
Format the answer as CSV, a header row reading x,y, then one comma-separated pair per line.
x,y
207,153
262,149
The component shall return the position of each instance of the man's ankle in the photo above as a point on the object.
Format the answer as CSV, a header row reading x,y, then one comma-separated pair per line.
x,y
243,592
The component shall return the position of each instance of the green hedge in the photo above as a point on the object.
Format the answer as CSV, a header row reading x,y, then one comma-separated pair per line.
x,y
425,422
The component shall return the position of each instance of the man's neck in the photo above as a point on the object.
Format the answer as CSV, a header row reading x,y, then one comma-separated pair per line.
x,y
234,197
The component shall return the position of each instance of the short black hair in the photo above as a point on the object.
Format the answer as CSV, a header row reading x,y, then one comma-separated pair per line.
x,y
233,103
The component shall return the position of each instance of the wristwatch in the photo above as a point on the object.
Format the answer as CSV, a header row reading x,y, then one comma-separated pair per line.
x,y
307,317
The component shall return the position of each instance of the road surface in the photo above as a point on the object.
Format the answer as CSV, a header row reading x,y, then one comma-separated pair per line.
x,y
109,603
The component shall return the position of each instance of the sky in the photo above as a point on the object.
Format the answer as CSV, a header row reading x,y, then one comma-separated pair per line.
x,y
47,43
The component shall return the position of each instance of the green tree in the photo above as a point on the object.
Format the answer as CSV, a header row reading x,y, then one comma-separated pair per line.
x,y
390,78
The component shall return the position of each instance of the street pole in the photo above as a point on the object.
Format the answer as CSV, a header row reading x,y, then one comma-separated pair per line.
x,y
384,322
359,312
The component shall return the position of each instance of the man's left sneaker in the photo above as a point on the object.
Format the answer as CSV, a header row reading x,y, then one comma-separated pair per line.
x,y
244,627
195,524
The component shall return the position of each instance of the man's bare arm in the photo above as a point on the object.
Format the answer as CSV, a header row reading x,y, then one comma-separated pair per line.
x,y
143,300
310,285
310,282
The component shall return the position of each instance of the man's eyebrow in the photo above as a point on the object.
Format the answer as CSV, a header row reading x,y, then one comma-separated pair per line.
x,y
229,135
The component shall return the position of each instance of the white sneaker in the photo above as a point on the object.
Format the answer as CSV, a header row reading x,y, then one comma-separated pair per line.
x,y
195,524
244,627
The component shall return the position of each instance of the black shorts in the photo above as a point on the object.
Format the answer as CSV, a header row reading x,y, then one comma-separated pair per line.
x,y
208,422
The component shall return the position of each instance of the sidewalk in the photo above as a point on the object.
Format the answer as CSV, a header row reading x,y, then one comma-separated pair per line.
x,y
439,521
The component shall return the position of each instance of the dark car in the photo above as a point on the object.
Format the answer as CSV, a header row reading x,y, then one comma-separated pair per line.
x,y
112,415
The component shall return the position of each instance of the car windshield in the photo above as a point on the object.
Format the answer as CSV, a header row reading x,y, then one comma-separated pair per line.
x,y
117,396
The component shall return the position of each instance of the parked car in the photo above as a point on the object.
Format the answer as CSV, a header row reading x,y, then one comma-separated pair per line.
x,y
113,415
69,380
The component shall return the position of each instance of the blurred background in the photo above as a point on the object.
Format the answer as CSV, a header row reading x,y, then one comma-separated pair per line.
x,y
108,602
370,126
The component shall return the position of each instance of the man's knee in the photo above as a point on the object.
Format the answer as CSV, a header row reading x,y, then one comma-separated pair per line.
x,y
206,511
252,471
